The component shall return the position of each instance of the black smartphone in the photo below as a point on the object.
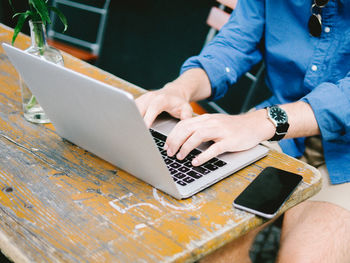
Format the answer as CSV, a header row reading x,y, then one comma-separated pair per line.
x,y
268,192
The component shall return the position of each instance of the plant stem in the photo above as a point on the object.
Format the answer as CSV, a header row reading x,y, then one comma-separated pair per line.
x,y
39,38
31,103
39,41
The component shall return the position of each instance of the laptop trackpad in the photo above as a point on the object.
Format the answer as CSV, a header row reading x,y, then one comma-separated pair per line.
x,y
164,123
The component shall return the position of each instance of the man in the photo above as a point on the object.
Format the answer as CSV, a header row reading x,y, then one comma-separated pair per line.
x,y
305,45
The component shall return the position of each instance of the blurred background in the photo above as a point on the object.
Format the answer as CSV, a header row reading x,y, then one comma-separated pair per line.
x,y
144,42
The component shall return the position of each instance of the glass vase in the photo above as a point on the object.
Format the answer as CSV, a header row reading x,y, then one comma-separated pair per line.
x,y
32,111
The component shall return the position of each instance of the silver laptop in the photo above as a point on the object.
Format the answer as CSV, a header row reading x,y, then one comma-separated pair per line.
x,y
105,121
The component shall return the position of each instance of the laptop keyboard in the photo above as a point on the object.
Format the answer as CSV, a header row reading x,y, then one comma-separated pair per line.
x,y
182,171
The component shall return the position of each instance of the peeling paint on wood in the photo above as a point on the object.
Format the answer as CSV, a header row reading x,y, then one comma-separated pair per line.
x,y
60,203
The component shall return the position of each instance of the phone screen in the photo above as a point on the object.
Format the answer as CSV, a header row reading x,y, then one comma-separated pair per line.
x,y
268,191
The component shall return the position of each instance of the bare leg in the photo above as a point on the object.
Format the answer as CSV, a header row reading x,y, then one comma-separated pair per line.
x,y
315,232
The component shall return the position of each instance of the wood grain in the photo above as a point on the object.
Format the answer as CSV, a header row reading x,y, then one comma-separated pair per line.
x,y
60,203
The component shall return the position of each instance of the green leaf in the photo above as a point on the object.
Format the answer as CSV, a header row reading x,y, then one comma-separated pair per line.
x,y
61,16
22,18
17,14
41,7
38,11
11,4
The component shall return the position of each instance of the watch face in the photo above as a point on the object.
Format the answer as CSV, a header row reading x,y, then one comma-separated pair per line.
x,y
278,114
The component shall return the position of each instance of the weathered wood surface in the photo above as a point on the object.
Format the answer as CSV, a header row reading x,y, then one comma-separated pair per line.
x,y
60,203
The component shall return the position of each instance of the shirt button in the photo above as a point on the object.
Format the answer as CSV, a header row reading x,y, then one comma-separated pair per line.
x,y
314,68
227,69
327,29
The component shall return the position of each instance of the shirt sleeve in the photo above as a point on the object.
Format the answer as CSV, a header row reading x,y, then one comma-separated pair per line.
x,y
331,105
234,50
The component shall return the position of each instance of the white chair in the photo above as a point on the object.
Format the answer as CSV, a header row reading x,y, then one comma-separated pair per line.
x,y
218,17
83,49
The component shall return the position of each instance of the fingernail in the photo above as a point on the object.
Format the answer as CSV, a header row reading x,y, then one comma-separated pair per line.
x,y
195,162
165,147
169,152
179,156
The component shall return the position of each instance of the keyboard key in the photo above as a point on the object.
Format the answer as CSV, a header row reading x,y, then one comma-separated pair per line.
x,y
213,160
188,180
172,171
194,174
181,161
172,157
158,135
175,165
183,169
188,164
180,175
211,167
220,163
201,170
181,183
190,157
175,179
168,161
160,144
195,152
162,137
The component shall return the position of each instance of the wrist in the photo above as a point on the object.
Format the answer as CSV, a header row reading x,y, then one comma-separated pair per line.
x,y
178,87
193,84
264,127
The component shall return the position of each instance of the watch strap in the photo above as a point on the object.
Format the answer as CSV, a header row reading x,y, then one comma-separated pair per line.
x,y
281,131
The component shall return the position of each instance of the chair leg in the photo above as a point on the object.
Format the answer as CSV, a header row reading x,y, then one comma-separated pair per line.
x,y
211,34
246,104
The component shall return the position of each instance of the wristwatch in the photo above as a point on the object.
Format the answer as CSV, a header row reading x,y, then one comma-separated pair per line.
x,y
279,118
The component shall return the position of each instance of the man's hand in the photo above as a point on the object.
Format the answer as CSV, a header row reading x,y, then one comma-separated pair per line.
x,y
167,99
175,96
230,133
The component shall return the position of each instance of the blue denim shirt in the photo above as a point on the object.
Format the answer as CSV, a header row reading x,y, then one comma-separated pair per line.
x,y
298,66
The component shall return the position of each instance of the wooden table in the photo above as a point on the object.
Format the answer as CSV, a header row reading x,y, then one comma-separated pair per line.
x,y
60,203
